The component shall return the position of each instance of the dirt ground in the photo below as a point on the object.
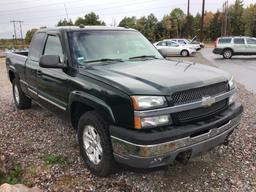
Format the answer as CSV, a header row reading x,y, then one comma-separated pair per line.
x,y
42,150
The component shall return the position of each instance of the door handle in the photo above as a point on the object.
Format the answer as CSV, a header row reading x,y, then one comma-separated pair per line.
x,y
39,73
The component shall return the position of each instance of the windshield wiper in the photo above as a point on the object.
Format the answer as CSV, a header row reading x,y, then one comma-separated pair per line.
x,y
104,60
144,56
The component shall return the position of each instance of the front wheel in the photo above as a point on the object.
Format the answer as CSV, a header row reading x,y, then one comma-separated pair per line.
x,y
184,53
95,145
20,99
227,54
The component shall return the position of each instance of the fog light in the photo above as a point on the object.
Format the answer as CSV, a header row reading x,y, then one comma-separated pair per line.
x,y
155,121
232,99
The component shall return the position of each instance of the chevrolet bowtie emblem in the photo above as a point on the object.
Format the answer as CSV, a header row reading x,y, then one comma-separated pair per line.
x,y
208,101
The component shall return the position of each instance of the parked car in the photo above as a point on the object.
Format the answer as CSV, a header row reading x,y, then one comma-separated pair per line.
x,y
127,103
187,42
237,45
170,48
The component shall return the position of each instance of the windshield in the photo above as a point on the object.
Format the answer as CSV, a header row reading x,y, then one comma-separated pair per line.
x,y
91,46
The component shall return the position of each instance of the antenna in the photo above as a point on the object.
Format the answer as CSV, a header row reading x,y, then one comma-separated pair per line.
x,y
66,11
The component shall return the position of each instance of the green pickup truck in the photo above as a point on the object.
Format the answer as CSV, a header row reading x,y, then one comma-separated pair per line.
x,y
128,104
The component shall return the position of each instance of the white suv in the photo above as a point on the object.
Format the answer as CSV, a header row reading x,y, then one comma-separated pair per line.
x,y
229,46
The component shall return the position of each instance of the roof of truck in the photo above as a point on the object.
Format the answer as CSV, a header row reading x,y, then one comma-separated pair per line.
x,y
82,27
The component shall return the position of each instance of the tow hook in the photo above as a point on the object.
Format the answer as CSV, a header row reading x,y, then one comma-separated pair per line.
x,y
226,142
183,157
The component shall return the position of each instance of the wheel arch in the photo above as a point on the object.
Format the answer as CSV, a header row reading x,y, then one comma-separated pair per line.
x,y
11,75
81,102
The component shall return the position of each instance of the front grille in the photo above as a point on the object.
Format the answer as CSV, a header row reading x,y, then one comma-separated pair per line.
x,y
196,94
192,95
199,113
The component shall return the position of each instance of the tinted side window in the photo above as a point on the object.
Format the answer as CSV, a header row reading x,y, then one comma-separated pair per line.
x,y
35,47
182,42
251,41
172,44
162,43
239,41
53,47
224,40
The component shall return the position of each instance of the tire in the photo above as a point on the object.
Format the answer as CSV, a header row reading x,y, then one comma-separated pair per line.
x,y
20,99
93,134
184,53
227,54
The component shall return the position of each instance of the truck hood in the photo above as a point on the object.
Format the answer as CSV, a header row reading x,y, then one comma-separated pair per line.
x,y
155,77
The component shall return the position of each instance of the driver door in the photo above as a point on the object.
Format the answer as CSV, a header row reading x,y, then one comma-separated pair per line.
x,y
173,48
52,83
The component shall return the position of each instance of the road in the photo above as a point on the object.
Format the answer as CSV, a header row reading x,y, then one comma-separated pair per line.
x,y
243,68
2,53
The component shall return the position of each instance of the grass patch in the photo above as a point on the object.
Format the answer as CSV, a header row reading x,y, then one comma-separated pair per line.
x,y
52,159
15,176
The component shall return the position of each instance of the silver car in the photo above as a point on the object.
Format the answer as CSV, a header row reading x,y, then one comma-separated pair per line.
x,y
187,42
238,45
170,48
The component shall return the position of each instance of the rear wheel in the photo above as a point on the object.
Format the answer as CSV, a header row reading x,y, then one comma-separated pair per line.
x,y
95,144
184,53
227,54
20,99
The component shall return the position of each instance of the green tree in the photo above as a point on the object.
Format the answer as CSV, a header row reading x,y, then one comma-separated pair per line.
x,y
151,27
178,19
215,26
29,35
249,20
140,25
65,22
235,18
89,19
128,22
167,26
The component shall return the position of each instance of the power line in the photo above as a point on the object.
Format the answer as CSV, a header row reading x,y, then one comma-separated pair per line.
x,y
11,11
82,12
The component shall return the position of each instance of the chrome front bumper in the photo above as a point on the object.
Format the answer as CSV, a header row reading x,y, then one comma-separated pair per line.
x,y
164,153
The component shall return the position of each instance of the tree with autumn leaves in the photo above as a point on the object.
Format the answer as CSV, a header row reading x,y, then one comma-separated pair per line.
x,y
241,21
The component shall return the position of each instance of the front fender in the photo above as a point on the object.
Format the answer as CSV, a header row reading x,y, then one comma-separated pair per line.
x,y
94,102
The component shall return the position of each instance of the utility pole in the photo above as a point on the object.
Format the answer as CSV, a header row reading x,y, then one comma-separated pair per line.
x,y
224,26
188,19
225,17
202,22
21,34
15,32
15,35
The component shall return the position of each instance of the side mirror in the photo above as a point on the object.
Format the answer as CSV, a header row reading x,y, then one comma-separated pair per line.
x,y
50,61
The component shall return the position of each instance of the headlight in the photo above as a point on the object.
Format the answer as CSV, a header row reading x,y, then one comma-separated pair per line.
x,y
231,83
150,122
148,102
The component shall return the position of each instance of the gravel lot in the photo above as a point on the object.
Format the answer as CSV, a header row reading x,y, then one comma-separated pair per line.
x,y
29,137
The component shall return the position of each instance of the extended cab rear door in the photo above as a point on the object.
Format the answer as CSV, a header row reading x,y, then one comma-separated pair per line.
x,y
32,63
52,83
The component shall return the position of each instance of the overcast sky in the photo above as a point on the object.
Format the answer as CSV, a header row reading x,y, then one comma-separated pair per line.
x,y
36,13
